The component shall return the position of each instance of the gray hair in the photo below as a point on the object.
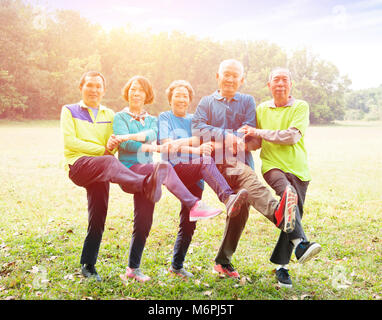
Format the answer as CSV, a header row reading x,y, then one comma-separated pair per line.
x,y
179,83
231,62
277,69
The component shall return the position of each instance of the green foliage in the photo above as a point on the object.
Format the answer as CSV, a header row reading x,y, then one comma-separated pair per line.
x,y
364,104
44,54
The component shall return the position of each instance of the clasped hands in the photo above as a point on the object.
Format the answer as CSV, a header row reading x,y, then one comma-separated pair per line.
x,y
175,146
115,140
249,131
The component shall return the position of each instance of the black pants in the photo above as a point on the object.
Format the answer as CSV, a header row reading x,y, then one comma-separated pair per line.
x,y
144,210
95,175
279,180
185,231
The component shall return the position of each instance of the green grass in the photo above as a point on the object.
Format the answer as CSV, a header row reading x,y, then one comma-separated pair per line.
x,y
43,223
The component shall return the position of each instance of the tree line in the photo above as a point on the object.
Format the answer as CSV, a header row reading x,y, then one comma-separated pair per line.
x,y
43,54
365,104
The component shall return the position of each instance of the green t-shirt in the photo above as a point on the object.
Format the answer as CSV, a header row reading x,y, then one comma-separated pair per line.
x,y
288,158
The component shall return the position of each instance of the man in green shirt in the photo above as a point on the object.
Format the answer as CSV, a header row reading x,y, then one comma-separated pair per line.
x,y
281,124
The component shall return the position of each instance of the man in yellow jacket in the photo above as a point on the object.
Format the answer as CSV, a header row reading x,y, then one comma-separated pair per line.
x,y
89,147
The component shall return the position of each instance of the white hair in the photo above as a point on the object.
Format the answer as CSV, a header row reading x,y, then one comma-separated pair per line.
x,y
228,62
278,69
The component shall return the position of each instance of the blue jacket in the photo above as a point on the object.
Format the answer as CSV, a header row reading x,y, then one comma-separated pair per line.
x,y
216,116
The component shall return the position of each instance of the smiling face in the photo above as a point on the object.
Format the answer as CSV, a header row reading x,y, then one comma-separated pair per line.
x,y
92,91
229,78
180,101
280,85
136,96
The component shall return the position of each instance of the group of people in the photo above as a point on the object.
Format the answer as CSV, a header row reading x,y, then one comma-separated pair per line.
x,y
211,146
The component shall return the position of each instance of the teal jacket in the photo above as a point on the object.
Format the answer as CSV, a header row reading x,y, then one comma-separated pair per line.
x,y
129,152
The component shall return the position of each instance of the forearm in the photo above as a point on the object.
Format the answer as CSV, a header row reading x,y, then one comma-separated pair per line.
x,y
77,145
289,136
150,148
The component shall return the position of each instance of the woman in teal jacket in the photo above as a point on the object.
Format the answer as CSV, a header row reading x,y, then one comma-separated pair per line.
x,y
139,130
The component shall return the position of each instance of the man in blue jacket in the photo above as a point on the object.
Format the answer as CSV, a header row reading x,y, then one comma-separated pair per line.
x,y
218,117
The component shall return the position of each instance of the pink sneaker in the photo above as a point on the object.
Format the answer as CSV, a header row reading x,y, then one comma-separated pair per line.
x,y
136,274
202,211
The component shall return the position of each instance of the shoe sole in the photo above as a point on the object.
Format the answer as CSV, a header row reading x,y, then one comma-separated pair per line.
x,y
176,274
138,278
156,193
225,274
290,210
241,197
313,250
285,285
193,219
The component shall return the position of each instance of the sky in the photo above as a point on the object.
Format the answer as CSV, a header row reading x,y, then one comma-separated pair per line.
x,y
346,33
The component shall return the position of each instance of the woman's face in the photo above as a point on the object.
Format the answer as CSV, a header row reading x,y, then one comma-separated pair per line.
x,y
180,101
137,95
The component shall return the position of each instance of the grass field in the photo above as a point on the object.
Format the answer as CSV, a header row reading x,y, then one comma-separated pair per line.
x,y
43,221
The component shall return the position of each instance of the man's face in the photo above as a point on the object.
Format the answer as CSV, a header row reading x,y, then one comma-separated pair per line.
x,y
280,85
229,80
180,101
92,91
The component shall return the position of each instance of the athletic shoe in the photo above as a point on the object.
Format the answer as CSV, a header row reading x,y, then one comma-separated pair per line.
x,y
235,201
283,278
153,186
89,271
201,211
285,213
181,272
227,270
306,250
136,274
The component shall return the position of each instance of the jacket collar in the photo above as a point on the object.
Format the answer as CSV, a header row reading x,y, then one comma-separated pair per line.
x,y
83,105
219,97
290,102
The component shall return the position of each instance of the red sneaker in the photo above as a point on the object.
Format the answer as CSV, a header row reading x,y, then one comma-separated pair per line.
x,y
285,213
235,201
227,269
136,274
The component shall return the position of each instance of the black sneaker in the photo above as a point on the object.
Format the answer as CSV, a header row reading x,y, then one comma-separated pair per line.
x,y
283,278
89,271
306,250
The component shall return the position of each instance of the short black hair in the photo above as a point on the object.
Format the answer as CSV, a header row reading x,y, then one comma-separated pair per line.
x,y
92,74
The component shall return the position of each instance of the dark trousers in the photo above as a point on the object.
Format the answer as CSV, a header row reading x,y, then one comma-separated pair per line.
x,y
204,168
95,175
185,231
190,173
278,181
241,176
186,176
144,210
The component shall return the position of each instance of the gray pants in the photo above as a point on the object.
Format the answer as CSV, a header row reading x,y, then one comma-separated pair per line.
x,y
279,180
259,196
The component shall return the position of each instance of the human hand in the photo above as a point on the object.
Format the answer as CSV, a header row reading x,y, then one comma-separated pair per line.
x,y
231,143
164,147
113,142
248,131
206,149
